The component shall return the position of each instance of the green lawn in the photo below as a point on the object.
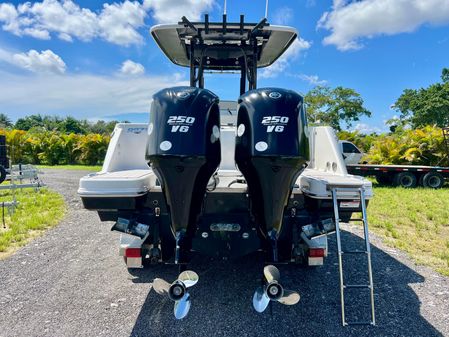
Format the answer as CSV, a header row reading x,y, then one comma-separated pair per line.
x,y
414,220
36,212
93,168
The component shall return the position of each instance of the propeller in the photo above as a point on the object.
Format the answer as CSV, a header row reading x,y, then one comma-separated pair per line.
x,y
177,291
272,290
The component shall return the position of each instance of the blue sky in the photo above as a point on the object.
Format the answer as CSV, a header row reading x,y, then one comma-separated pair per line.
x,y
92,59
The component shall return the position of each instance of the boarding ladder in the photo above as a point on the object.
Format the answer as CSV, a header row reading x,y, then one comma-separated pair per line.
x,y
360,192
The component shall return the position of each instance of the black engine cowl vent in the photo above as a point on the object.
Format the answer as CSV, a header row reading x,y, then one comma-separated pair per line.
x,y
184,148
271,149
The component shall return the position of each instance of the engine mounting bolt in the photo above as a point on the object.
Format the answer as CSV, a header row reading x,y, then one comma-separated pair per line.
x,y
205,235
245,235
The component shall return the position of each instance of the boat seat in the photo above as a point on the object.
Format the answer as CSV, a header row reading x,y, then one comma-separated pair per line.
x,y
126,183
314,183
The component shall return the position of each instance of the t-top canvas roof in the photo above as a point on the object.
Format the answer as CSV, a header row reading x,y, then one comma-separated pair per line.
x,y
223,45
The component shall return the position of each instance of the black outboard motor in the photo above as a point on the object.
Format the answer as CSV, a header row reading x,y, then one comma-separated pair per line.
x,y
184,149
271,150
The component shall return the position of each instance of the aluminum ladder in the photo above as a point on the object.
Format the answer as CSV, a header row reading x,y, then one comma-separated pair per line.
x,y
356,190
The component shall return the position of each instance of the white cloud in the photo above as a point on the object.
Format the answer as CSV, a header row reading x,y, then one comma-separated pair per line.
x,y
116,23
45,62
60,17
282,16
170,11
312,79
283,62
9,15
132,68
65,37
350,22
119,23
366,128
82,96
37,33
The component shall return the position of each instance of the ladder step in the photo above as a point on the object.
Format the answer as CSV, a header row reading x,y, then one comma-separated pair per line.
x,y
360,323
358,220
364,220
348,286
354,252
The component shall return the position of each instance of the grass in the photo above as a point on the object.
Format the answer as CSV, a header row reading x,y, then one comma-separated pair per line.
x,y
415,221
93,168
36,212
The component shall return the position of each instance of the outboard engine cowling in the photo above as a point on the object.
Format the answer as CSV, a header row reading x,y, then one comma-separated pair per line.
x,y
184,148
271,150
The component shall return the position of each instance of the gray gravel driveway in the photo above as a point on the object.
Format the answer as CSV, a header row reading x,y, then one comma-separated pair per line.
x,y
71,282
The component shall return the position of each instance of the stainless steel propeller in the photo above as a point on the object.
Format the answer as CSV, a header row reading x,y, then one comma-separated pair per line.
x,y
272,290
177,291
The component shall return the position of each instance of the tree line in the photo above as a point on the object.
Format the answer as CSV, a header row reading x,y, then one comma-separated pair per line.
x,y
52,140
415,137
64,125
416,107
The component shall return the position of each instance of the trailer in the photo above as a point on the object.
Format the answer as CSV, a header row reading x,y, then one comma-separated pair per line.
x,y
408,176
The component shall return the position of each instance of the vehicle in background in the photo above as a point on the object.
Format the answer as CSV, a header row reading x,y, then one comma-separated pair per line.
x,y
351,153
407,176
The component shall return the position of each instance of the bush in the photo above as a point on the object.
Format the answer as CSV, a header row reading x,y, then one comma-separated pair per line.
x,y
92,149
39,146
424,146
362,141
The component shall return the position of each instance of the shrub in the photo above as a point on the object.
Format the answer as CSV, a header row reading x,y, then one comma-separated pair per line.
x,y
39,146
92,148
424,146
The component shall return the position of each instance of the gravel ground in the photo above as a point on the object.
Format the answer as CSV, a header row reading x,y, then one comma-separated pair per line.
x,y
70,282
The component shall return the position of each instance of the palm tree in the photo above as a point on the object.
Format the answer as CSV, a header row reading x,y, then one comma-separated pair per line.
x,y
5,121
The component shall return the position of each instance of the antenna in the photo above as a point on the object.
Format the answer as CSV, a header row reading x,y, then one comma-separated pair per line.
x,y
224,12
266,9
